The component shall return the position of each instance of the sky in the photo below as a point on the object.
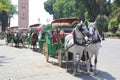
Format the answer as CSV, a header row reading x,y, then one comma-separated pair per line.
x,y
37,13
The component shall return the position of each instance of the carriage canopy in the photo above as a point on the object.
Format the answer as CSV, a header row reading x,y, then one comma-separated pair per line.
x,y
34,28
13,29
34,25
65,24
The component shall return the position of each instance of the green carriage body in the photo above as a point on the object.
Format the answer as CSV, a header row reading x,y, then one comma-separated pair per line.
x,y
66,24
52,47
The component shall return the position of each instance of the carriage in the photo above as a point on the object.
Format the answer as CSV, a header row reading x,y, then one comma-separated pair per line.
x,y
35,28
10,34
56,48
23,32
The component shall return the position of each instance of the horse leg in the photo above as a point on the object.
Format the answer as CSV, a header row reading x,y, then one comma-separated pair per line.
x,y
78,58
36,44
90,64
66,57
23,43
75,64
95,68
87,61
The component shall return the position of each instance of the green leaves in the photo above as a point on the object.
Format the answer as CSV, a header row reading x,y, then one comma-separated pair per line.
x,y
7,6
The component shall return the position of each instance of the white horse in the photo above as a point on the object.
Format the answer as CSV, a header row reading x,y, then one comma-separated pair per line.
x,y
94,46
75,43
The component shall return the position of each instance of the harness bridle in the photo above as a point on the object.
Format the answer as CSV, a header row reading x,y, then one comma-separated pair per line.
x,y
94,41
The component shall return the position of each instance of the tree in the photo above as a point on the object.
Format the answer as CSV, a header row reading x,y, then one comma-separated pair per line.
x,y
102,23
48,5
65,8
7,9
80,9
4,20
115,11
117,2
92,9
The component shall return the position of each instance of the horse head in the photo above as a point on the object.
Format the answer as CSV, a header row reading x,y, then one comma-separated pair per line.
x,y
93,31
92,27
34,38
83,29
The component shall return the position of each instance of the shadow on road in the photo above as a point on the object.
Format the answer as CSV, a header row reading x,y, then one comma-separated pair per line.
x,y
4,60
100,76
83,75
1,44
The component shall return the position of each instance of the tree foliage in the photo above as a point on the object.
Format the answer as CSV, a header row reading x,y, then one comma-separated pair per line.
x,y
65,8
7,9
82,9
102,23
87,10
92,9
48,5
117,2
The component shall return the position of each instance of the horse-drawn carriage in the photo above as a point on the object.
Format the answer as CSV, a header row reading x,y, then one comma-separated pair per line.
x,y
24,32
74,43
16,35
34,35
10,34
54,42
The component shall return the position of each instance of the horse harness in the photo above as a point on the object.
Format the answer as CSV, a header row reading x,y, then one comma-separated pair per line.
x,y
94,41
75,39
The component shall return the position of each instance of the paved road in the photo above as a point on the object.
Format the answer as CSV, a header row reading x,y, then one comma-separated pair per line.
x,y
109,58
25,64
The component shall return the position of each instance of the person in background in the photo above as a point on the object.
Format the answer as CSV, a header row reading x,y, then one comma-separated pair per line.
x,y
61,36
54,37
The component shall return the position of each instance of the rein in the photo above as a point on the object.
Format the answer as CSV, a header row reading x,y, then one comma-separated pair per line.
x,y
69,47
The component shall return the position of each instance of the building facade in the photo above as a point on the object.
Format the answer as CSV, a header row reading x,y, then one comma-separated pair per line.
x,y
23,13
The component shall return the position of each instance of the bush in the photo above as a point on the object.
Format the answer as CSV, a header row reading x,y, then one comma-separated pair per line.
x,y
113,27
117,34
110,34
119,27
102,23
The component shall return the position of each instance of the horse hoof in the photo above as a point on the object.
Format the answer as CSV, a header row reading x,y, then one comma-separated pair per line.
x,y
74,74
88,72
95,72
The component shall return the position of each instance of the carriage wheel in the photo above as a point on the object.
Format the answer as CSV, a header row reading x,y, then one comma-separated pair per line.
x,y
46,51
43,48
60,58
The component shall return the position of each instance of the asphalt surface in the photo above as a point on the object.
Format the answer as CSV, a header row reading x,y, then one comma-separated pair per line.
x,y
26,64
